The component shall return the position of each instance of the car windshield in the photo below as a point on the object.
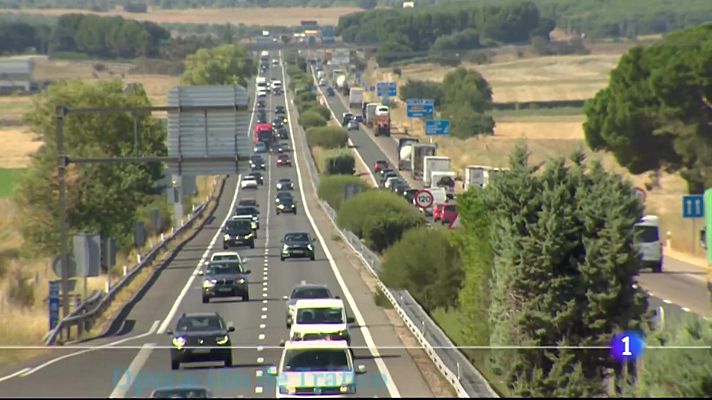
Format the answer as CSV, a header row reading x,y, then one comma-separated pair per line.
x,y
284,195
246,211
647,234
181,394
253,175
207,323
296,237
257,158
311,293
239,226
285,180
331,315
224,267
226,257
316,360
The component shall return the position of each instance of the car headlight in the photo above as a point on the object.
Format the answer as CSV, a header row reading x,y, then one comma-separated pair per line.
x,y
242,281
254,225
208,283
255,218
222,340
280,206
179,342
226,237
285,248
248,236
287,390
347,389
309,246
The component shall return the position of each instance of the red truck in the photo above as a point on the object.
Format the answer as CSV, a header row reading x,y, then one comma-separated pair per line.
x,y
263,133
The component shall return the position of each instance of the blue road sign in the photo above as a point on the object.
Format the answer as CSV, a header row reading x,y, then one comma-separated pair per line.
x,y
420,108
371,88
53,304
437,127
693,206
386,89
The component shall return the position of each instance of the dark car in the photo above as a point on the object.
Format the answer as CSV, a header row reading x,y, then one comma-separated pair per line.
x,y
249,210
399,187
410,194
201,337
285,184
283,160
384,171
258,177
281,196
238,233
283,133
330,92
257,162
261,119
261,104
358,118
297,245
305,291
278,148
277,91
345,118
278,123
225,278
287,205
182,392
247,203
280,110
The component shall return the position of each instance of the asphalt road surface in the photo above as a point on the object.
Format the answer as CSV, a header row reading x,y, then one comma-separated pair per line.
x,y
260,323
681,289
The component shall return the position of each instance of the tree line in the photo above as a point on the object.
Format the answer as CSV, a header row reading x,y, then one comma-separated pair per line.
x,y
463,97
656,113
403,34
106,5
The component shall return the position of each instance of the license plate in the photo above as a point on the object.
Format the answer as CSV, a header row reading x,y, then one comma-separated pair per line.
x,y
224,289
201,351
298,251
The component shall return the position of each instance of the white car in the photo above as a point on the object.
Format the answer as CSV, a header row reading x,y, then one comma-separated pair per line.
x,y
316,368
226,255
320,319
248,183
276,84
274,60
322,82
261,93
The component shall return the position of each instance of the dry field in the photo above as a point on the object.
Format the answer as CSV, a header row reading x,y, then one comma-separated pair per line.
x,y
542,79
248,16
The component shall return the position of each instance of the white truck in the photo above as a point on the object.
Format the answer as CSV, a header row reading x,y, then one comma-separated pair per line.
x,y
370,116
356,98
340,81
443,179
434,164
420,151
479,175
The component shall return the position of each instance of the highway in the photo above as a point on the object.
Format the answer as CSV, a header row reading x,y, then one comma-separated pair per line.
x,y
680,289
143,361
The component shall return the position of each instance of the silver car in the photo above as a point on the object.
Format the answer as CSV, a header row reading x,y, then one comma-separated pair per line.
x,y
305,291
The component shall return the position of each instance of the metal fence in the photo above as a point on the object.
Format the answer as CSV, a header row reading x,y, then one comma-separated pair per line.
x,y
452,363
84,316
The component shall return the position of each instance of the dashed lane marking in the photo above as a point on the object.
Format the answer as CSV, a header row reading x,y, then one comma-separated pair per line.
x,y
264,289
260,348
264,301
261,336
258,389
686,309
264,309
263,316
666,301
264,294
263,326
260,360
259,373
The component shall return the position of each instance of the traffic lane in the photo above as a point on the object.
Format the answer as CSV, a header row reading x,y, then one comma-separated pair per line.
x,y
397,364
244,315
47,377
678,288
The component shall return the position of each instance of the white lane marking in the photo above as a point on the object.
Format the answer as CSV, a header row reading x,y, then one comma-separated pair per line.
x,y
264,301
129,376
264,289
666,301
686,309
263,316
20,372
264,309
383,369
260,360
259,373
263,326
264,294
264,284
258,389
28,371
261,336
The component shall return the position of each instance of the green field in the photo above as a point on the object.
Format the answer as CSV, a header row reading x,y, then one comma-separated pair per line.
x,y
8,180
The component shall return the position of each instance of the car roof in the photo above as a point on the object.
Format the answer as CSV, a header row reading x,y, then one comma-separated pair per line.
x,y
284,194
305,285
316,303
200,314
225,253
381,162
316,344
249,178
283,156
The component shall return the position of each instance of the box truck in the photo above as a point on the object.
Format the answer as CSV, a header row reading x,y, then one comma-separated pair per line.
x,y
479,175
434,164
420,151
404,151
356,98
369,115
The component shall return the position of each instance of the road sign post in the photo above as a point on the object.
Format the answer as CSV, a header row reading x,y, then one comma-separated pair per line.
x,y
693,207
708,224
437,127
424,199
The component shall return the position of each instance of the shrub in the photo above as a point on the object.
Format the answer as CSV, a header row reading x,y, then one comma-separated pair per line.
x,y
379,217
311,119
328,137
305,97
337,162
321,110
331,188
426,263
304,107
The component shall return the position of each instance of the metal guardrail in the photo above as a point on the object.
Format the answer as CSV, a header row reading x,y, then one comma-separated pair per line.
x,y
454,366
84,316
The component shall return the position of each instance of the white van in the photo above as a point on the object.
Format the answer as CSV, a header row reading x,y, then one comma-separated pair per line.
x,y
649,244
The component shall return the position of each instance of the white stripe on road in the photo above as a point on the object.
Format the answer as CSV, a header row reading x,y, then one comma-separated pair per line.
x,y
29,371
390,385
666,301
686,309
20,372
261,336
129,376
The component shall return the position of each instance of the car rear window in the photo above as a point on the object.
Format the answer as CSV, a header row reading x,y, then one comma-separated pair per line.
x,y
451,207
311,293
647,234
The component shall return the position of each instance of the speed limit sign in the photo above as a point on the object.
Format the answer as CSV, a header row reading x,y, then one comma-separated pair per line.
x,y
424,199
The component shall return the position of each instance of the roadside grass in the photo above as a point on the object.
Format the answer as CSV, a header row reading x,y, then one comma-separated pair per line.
x,y
8,180
449,322
13,109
